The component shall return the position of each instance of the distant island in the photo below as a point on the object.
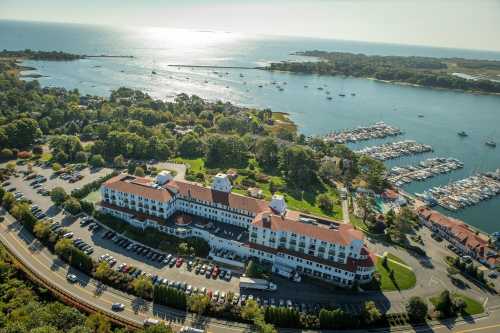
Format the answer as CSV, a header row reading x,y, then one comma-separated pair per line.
x,y
478,76
53,55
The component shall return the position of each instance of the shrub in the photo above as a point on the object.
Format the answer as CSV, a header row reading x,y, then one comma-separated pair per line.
x,y
24,154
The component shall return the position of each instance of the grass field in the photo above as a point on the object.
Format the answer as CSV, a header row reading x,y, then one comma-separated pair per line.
x,y
401,278
195,165
93,197
306,204
473,307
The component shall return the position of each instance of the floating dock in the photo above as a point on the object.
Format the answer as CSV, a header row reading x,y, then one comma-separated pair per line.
x,y
378,130
465,192
389,151
424,170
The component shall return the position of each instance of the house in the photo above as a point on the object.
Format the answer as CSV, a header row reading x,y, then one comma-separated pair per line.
x,y
245,226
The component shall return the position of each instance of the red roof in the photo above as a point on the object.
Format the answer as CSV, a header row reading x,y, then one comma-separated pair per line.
x,y
199,192
139,186
342,233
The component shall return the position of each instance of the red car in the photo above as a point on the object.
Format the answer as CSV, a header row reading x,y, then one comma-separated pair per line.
x,y
178,263
215,272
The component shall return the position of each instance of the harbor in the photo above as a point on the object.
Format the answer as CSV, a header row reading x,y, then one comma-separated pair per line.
x,y
428,168
465,192
379,130
389,151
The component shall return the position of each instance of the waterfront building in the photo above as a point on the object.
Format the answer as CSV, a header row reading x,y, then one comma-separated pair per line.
x,y
460,235
239,227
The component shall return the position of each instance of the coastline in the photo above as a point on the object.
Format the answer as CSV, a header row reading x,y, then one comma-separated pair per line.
x,y
280,117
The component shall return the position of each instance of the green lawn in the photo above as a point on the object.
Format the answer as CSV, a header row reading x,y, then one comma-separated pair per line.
x,y
403,278
473,307
93,197
306,204
195,165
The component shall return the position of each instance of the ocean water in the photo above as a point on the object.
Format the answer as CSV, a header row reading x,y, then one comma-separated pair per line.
x,y
154,49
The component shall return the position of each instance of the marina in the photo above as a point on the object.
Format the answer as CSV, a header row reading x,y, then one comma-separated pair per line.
x,y
429,168
465,192
389,151
379,130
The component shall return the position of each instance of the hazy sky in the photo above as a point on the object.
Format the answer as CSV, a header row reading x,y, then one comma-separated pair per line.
x,y
450,23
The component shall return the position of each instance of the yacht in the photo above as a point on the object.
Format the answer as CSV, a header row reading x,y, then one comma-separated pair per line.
x,y
491,143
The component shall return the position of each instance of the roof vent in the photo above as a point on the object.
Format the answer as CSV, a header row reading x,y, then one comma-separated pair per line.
x,y
163,177
221,183
278,204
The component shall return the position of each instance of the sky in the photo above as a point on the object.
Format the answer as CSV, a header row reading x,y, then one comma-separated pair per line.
x,y
469,24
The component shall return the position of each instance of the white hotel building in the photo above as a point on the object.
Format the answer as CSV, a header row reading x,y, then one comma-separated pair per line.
x,y
241,225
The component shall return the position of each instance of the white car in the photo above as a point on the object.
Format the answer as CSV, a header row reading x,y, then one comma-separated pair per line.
x,y
68,235
71,278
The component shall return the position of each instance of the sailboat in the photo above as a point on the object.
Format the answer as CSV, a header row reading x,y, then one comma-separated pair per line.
x,y
462,134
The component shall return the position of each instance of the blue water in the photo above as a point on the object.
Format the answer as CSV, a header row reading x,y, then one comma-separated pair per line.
x,y
445,112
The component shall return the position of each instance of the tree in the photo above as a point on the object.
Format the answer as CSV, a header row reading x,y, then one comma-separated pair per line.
x,y
143,286
198,304
41,230
373,171
80,157
226,151
139,172
56,166
416,308
97,323
267,153
250,310
298,166
72,206
6,154
329,170
119,162
371,313
37,150
103,271
8,200
69,145
190,146
159,328
252,270
444,303
97,161
325,202
58,195
365,205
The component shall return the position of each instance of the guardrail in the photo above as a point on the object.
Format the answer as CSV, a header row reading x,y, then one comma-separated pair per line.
x,y
67,298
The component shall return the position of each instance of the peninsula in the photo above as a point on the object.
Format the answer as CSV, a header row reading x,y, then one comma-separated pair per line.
x,y
471,75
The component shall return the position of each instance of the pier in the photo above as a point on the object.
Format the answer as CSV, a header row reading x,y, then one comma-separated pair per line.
x,y
465,192
424,170
378,130
389,151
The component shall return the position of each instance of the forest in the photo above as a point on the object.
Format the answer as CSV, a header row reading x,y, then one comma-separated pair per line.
x,y
422,71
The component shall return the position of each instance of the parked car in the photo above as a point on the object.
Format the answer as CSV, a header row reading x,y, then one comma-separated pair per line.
x,y
117,307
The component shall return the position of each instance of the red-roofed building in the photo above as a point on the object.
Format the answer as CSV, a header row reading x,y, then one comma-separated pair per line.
x,y
311,245
456,232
